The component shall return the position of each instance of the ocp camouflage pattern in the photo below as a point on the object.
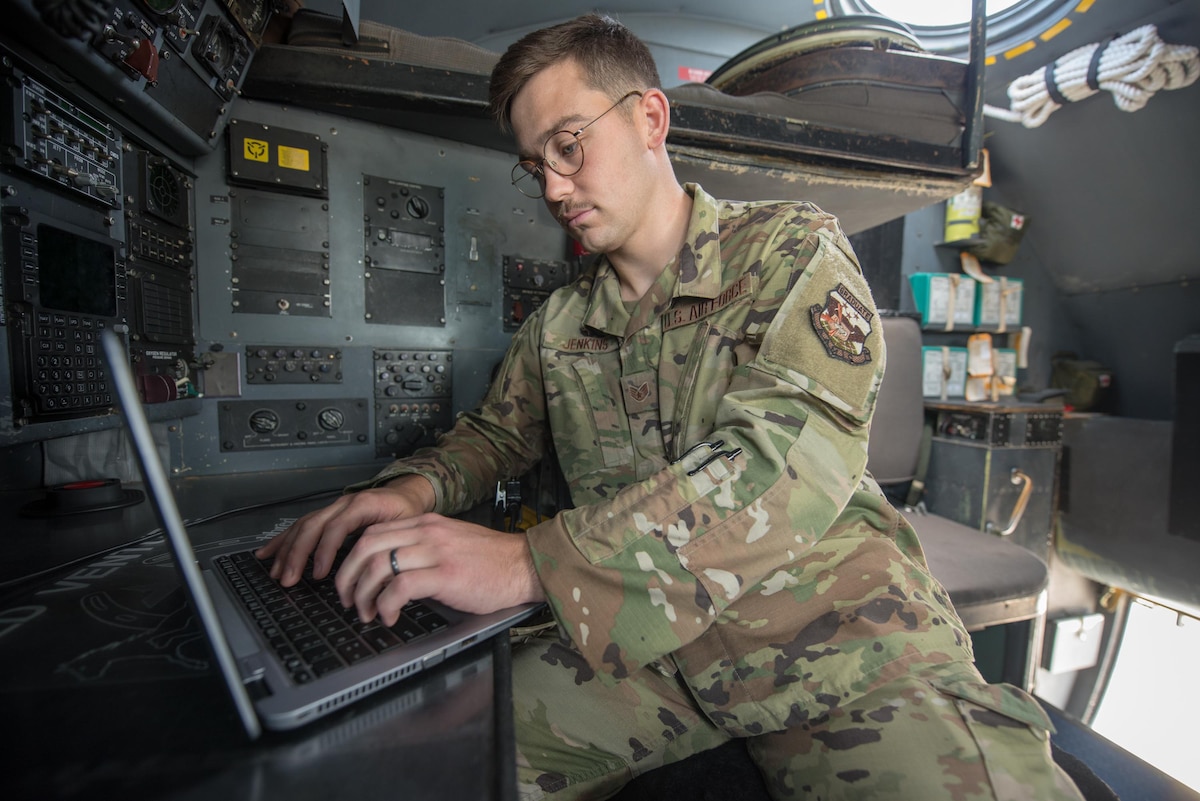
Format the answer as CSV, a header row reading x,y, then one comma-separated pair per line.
x,y
714,439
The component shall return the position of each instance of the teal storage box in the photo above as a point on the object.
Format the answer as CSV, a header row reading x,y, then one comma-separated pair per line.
x,y
946,301
998,304
943,372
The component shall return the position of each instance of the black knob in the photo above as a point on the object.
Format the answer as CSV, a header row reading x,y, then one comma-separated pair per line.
x,y
331,419
264,421
417,207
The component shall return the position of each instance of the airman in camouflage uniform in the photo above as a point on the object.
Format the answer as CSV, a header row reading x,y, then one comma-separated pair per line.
x,y
729,569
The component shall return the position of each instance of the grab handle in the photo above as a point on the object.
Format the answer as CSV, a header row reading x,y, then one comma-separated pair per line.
x,y
1019,509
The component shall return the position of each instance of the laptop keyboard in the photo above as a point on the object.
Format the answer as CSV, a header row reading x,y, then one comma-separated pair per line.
x,y
306,625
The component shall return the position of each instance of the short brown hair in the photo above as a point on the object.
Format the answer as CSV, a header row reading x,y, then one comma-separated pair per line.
x,y
613,59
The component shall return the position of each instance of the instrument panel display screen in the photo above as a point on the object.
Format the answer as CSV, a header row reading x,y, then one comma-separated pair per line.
x,y
76,274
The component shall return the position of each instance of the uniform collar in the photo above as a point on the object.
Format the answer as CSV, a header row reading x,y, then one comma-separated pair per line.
x,y
694,273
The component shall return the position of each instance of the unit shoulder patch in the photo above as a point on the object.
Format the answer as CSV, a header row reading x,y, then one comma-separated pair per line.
x,y
843,324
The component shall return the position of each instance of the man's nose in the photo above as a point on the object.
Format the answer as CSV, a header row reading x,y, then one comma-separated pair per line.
x,y
557,187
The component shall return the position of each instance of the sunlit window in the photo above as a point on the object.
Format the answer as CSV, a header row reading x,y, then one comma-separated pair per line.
x,y
1151,704
935,14
942,26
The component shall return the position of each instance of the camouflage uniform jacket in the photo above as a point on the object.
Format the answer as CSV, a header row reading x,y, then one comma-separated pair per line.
x,y
765,565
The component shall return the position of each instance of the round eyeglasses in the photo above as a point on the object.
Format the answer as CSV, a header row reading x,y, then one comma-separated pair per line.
x,y
563,153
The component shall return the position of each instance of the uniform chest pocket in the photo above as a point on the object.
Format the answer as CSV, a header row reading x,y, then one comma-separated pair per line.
x,y
591,432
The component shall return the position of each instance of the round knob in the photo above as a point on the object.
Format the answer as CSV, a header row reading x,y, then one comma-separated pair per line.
x,y
331,419
264,421
417,207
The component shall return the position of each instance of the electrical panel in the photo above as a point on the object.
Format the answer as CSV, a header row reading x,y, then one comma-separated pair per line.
x,y
64,284
404,252
997,425
527,284
97,233
172,66
283,300
275,158
160,244
413,399
293,365
274,424
54,138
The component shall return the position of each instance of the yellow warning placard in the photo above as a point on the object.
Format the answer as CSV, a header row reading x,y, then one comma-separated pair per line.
x,y
293,158
256,150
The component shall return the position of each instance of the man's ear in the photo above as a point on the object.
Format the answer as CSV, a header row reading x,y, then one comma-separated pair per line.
x,y
657,110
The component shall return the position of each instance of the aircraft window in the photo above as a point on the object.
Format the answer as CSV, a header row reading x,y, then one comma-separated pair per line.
x,y
1151,706
943,27
933,15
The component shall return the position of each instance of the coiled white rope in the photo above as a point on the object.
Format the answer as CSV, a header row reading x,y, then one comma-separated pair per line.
x,y
1132,67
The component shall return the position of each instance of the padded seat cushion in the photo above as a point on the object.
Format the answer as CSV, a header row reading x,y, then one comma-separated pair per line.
x,y
989,579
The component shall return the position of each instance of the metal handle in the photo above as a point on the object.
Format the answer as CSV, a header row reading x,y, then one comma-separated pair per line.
x,y
1022,501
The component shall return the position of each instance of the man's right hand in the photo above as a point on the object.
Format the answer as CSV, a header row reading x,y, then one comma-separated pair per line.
x,y
321,533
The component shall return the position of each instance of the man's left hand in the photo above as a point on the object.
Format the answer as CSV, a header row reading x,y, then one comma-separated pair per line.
x,y
460,564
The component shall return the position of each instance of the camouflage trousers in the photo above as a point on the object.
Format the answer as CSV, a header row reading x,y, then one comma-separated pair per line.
x,y
916,737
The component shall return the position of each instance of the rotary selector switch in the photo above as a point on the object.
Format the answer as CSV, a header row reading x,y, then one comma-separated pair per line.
x,y
264,421
331,419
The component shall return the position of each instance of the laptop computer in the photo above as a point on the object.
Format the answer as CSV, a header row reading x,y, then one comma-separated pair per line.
x,y
289,656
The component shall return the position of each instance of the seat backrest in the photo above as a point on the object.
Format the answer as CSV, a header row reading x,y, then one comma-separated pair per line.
x,y
895,442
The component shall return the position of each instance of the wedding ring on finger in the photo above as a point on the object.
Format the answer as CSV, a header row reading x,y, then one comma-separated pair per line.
x,y
395,564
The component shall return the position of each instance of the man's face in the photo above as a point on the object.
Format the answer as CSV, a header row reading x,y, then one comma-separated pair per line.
x,y
599,204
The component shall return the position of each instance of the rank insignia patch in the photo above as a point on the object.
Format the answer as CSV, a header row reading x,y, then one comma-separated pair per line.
x,y
843,324
641,392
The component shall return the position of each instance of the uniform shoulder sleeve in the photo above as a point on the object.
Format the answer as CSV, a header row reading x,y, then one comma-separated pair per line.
x,y
826,334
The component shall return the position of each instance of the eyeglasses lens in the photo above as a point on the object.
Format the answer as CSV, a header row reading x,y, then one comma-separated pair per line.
x,y
563,154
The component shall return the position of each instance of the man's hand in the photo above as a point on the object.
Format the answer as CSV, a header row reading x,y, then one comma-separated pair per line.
x,y
465,566
321,533
460,564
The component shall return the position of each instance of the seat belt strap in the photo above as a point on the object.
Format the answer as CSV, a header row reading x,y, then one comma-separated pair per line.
x,y
917,488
